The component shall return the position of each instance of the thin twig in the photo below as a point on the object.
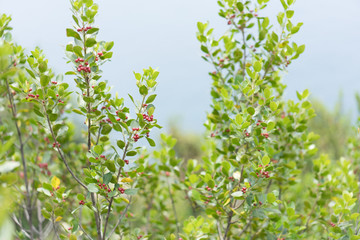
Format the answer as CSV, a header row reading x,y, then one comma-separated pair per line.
x,y
59,150
120,169
23,161
119,221
246,227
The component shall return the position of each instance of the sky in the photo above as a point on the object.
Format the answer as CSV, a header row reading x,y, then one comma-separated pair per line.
x,y
162,34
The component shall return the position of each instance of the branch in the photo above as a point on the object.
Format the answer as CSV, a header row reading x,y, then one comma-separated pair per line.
x,y
246,227
21,147
119,221
120,169
59,150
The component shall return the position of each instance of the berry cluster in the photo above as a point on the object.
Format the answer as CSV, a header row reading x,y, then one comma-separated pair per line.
x,y
263,174
121,190
246,133
135,129
54,82
230,19
148,118
244,189
126,161
104,107
44,167
79,60
82,202
266,135
84,29
136,137
232,179
84,68
332,224
208,188
56,144
260,203
107,120
32,96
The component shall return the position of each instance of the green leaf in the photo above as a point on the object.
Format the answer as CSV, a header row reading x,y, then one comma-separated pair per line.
x,y
265,160
78,111
257,66
120,144
44,80
306,104
211,183
45,214
76,20
300,49
131,153
240,6
72,33
31,73
43,66
98,149
107,55
193,178
204,49
270,126
143,90
225,167
80,197
90,42
271,198
239,119
106,129
201,27
251,110
237,194
267,92
151,111
151,142
107,178
92,30
273,106
111,166
109,46
78,51
131,191
289,13
151,98
92,188
137,76
53,117
284,4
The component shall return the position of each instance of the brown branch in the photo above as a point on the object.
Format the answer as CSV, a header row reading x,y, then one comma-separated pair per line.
x,y
119,172
23,161
59,150
119,221
246,227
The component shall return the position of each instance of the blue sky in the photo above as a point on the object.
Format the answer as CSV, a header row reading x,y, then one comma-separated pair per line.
x,y
161,34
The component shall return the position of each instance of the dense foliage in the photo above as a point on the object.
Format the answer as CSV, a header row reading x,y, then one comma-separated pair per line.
x,y
257,173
